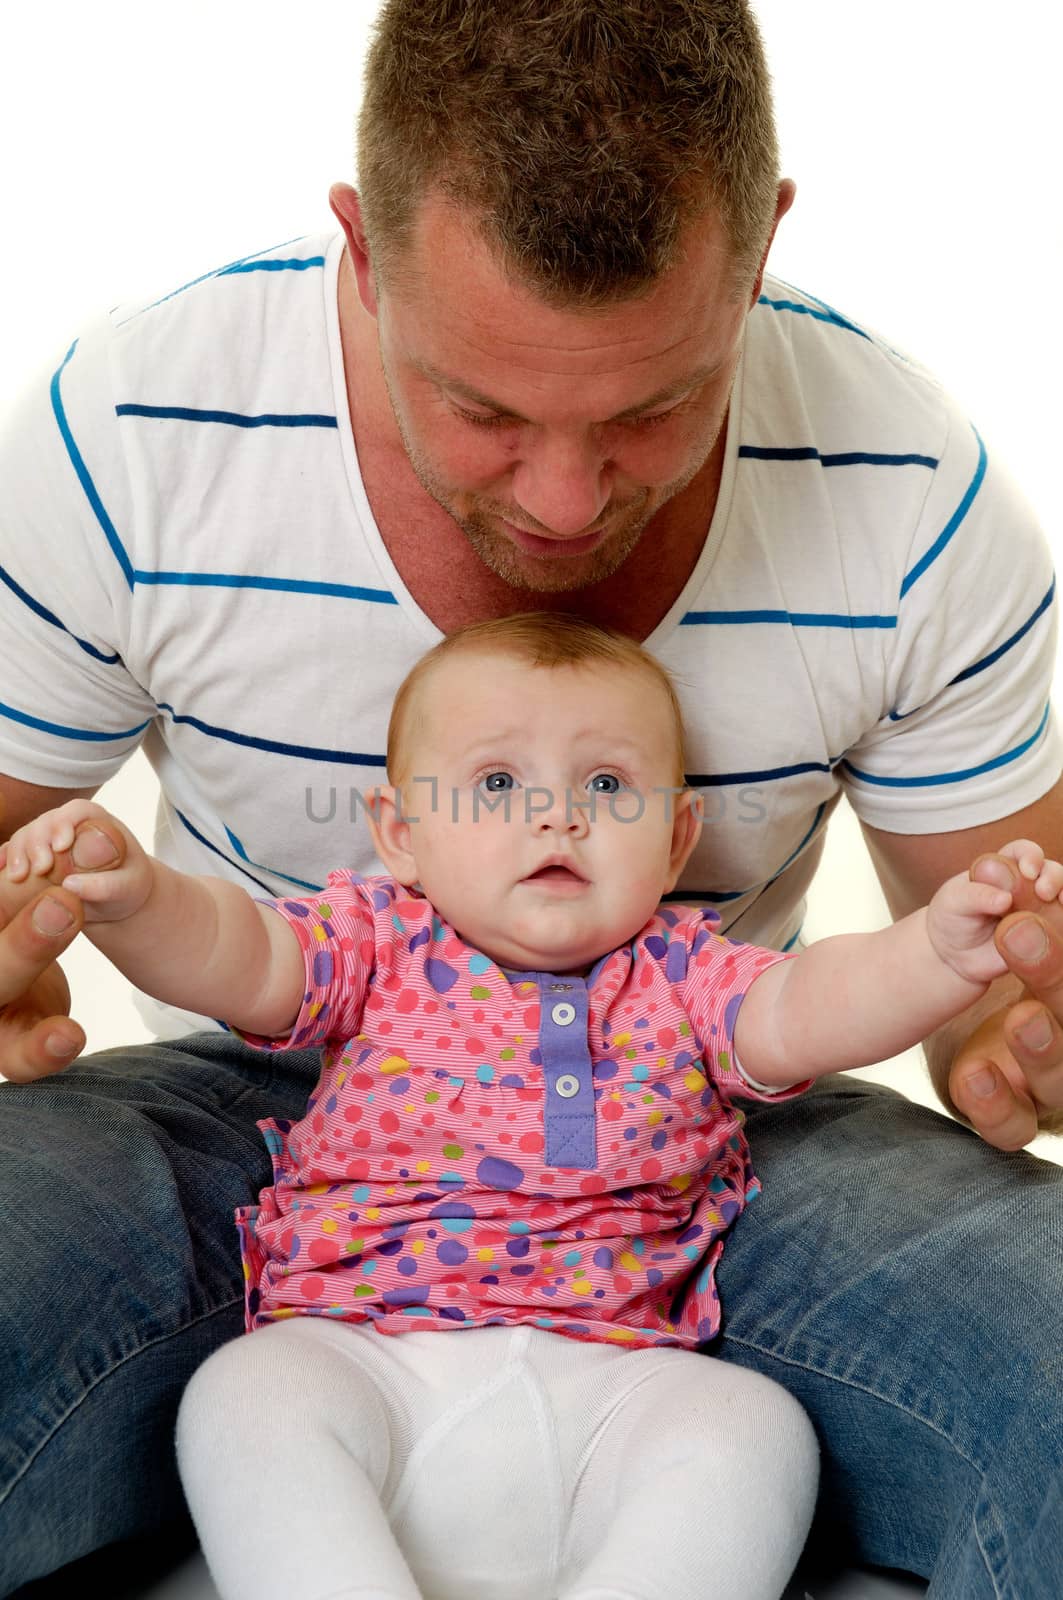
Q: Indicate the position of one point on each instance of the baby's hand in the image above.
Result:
(85, 849)
(962, 917)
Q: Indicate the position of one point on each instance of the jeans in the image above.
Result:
(902, 1279)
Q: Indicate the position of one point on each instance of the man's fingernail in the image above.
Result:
(51, 917)
(1037, 1033)
(60, 1048)
(982, 1083)
(93, 849)
(1027, 940)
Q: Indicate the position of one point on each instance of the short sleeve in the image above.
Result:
(719, 973)
(70, 710)
(336, 934)
(966, 735)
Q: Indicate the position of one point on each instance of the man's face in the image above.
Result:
(553, 436)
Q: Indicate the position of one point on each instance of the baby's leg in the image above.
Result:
(284, 1444)
(698, 1483)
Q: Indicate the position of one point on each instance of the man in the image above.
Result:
(541, 367)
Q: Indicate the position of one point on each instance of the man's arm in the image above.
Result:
(37, 1037)
(1000, 1065)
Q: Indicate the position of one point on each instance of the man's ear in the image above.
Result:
(686, 831)
(390, 829)
(787, 192)
(347, 209)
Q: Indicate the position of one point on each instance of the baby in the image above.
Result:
(524, 1132)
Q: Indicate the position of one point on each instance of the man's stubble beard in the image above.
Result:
(538, 574)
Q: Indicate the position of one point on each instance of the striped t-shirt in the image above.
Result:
(188, 560)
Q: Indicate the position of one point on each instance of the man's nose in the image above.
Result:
(563, 484)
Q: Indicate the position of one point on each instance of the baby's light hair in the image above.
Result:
(541, 639)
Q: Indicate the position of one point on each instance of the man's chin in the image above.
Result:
(545, 574)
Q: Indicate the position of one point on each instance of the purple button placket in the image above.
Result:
(566, 1060)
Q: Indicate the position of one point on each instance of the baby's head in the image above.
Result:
(536, 765)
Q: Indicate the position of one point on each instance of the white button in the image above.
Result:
(567, 1086)
(563, 1013)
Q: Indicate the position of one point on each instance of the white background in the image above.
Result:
(145, 144)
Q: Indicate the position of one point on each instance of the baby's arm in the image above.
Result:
(860, 998)
(199, 943)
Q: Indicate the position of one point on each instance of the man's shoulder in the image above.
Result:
(241, 309)
(233, 284)
(804, 352)
(244, 344)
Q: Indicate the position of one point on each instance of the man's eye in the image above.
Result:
(483, 419)
(605, 783)
(498, 782)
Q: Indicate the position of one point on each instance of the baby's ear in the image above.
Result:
(686, 831)
(390, 829)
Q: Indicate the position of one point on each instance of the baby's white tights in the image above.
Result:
(323, 1461)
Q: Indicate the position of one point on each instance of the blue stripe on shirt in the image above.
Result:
(716, 780)
(300, 883)
(205, 580)
(84, 476)
(722, 896)
(953, 777)
(847, 458)
(87, 735)
(215, 272)
(793, 619)
(50, 616)
(995, 655)
(953, 523)
(203, 840)
(274, 746)
(235, 419)
(238, 580)
(291, 264)
(810, 311)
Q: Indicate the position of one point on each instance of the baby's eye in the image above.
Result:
(498, 782)
(605, 783)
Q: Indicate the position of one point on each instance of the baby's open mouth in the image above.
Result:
(555, 874)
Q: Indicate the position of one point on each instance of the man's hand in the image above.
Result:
(37, 923)
(1007, 1078)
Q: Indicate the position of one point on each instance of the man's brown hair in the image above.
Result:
(582, 135)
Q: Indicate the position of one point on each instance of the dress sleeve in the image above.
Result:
(336, 933)
(71, 711)
(719, 972)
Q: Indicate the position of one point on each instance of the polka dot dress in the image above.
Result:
(487, 1146)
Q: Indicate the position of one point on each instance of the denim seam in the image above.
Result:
(149, 1345)
(887, 1400)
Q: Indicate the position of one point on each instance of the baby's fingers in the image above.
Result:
(43, 847)
(33, 849)
(982, 899)
(1049, 884)
(95, 888)
(16, 861)
(1027, 856)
